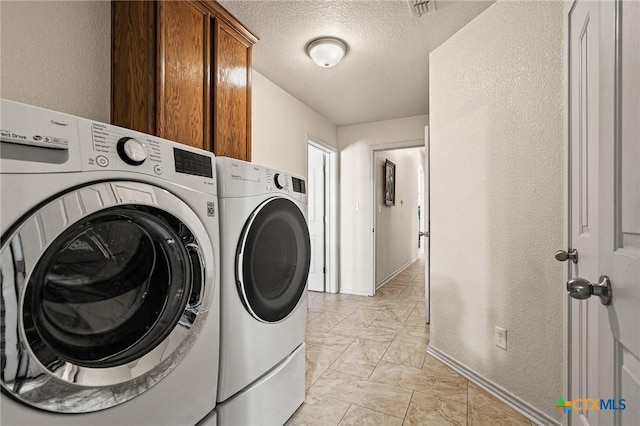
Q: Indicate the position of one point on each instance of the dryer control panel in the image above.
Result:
(277, 180)
(285, 182)
(241, 179)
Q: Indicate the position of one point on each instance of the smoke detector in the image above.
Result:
(421, 7)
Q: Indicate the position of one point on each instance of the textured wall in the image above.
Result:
(497, 197)
(57, 55)
(356, 164)
(397, 226)
(280, 125)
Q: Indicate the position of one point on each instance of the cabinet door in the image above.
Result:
(232, 120)
(133, 65)
(183, 80)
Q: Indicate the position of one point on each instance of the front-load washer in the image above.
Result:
(265, 258)
(109, 274)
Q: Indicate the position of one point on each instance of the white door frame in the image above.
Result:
(566, 360)
(331, 206)
(427, 224)
(372, 178)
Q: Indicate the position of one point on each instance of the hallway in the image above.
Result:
(367, 364)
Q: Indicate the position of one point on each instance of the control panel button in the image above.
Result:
(158, 169)
(131, 151)
(102, 161)
(276, 179)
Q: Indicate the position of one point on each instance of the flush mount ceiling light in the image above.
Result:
(326, 51)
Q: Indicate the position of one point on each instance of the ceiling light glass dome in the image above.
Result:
(326, 51)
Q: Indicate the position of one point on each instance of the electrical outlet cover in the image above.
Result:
(500, 337)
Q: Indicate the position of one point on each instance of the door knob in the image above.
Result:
(579, 288)
(563, 256)
(423, 234)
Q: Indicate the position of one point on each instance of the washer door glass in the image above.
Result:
(104, 291)
(110, 288)
(273, 260)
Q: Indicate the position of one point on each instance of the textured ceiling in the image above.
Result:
(385, 72)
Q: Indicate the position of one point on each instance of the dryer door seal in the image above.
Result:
(273, 259)
(103, 293)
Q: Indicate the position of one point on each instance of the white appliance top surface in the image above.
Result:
(238, 178)
(36, 140)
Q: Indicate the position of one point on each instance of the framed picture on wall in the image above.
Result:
(389, 183)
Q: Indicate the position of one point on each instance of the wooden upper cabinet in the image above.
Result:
(133, 65)
(232, 92)
(182, 70)
(183, 89)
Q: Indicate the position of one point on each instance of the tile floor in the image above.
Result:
(367, 364)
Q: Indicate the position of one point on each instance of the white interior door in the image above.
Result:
(316, 218)
(604, 217)
(584, 21)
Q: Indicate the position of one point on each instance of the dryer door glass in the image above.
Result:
(111, 287)
(273, 260)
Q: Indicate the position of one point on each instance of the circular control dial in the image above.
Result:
(278, 180)
(131, 151)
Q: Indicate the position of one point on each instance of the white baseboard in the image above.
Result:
(522, 407)
(356, 292)
(394, 273)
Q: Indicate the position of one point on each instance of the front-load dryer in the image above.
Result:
(265, 257)
(109, 274)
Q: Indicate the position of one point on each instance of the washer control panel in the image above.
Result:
(131, 151)
(115, 148)
(112, 145)
(37, 140)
